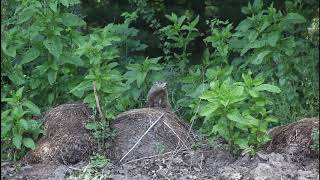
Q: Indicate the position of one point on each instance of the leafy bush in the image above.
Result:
(18, 130)
(92, 170)
(236, 112)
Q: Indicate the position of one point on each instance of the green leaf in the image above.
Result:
(54, 46)
(5, 128)
(12, 51)
(30, 55)
(260, 57)
(272, 119)
(253, 93)
(273, 38)
(235, 116)
(209, 109)
(242, 143)
(53, 6)
(17, 140)
(52, 76)
(257, 5)
(71, 20)
(17, 76)
(19, 92)
(91, 126)
(32, 107)
(244, 25)
(268, 87)
(294, 18)
(29, 143)
(25, 15)
(24, 124)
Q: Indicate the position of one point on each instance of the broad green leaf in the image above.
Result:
(273, 38)
(25, 15)
(257, 5)
(24, 124)
(263, 139)
(253, 93)
(272, 119)
(194, 22)
(50, 97)
(32, 107)
(294, 18)
(17, 140)
(79, 89)
(244, 25)
(268, 87)
(250, 120)
(52, 76)
(209, 109)
(235, 116)
(91, 126)
(68, 3)
(54, 46)
(71, 20)
(260, 57)
(5, 129)
(53, 6)
(242, 142)
(30, 55)
(29, 143)
(90, 99)
(12, 51)
(19, 92)
(17, 76)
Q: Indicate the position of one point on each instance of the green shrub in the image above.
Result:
(236, 112)
(19, 131)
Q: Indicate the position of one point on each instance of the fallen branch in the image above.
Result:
(149, 157)
(141, 137)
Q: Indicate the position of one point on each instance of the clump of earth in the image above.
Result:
(66, 146)
(204, 162)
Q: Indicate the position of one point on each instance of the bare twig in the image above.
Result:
(158, 155)
(142, 137)
(97, 100)
(176, 134)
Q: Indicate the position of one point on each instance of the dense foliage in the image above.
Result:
(229, 80)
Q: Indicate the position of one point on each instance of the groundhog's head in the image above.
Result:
(161, 84)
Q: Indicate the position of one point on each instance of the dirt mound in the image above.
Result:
(294, 139)
(48, 171)
(147, 132)
(214, 163)
(65, 139)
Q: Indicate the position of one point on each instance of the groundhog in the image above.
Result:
(158, 96)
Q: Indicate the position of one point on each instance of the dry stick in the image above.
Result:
(141, 137)
(149, 157)
(97, 100)
(176, 134)
(171, 159)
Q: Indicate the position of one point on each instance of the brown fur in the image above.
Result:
(158, 96)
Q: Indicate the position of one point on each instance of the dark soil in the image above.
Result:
(166, 133)
(175, 161)
(65, 140)
(203, 163)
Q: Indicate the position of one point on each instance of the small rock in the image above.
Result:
(177, 160)
(262, 156)
(307, 175)
(184, 171)
(236, 176)
(197, 169)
